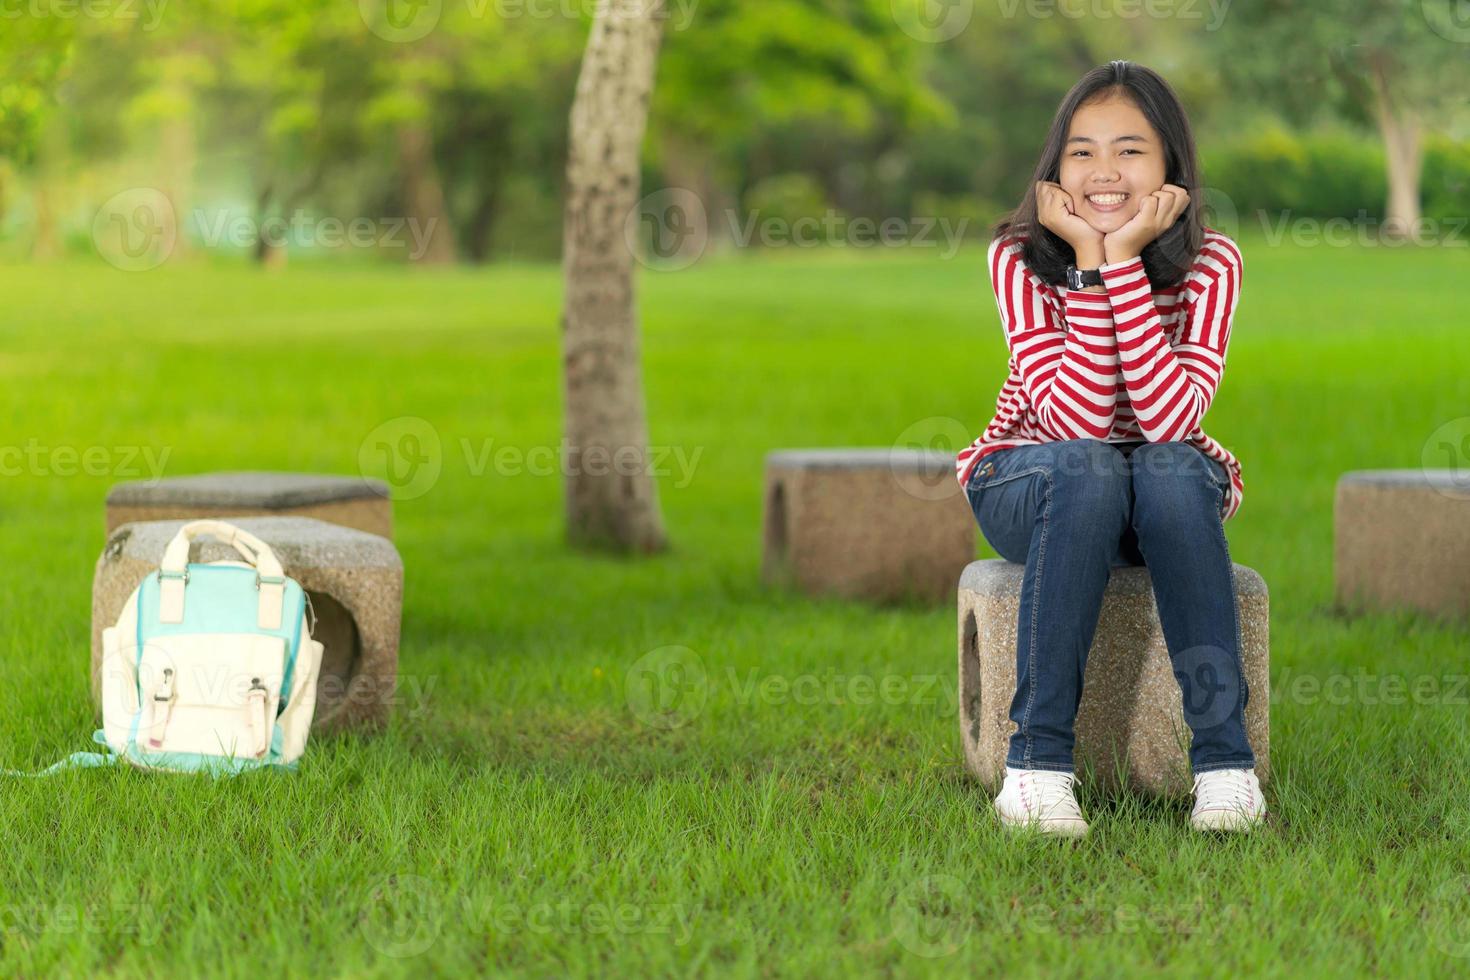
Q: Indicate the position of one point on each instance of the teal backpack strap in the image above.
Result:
(77, 760)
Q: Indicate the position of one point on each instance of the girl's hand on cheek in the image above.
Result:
(1156, 214)
(1057, 212)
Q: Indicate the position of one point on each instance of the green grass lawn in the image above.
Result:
(519, 817)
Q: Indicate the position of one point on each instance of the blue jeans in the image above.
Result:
(1073, 510)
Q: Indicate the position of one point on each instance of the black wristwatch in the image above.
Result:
(1077, 278)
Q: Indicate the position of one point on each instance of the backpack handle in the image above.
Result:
(173, 573)
(251, 548)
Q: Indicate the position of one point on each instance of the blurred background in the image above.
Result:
(434, 131)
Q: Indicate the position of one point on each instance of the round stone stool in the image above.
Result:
(1130, 725)
(1401, 540)
(876, 524)
(351, 501)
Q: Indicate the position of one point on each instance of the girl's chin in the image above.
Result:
(1113, 223)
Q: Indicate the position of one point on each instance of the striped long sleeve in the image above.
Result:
(1067, 359)
(1170, 387)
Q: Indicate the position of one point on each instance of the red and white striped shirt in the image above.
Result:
(1127, 365)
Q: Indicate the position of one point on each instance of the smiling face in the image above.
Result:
(1111, 150)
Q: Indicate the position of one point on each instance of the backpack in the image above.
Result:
(211, 666)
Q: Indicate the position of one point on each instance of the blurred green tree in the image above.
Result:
(1402, 66)
(34, 56)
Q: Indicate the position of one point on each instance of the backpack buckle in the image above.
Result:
(163, 574)
(268, 580)
(165, 691)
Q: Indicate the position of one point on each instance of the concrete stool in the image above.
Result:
(873, 524)
(351, 501)
(1402, 541)
(1130, 723)
(354, 581)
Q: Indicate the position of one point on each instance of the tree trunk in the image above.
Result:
(611, 498)
(180, 150)
(44, 245)
(268, 254)
(48, 163)
(424, 195)
(480, 230)
(1400, 129)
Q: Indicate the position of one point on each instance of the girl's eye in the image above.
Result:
(1127, 150)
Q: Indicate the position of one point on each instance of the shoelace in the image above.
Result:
(1049, 795)
(1225, 789)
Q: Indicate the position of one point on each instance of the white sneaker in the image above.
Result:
(1040, 799)
(1227, 799)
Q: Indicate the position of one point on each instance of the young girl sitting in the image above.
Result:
(1116, 303)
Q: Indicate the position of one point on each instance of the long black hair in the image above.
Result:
(1169, 257)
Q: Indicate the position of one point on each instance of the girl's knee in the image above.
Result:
(1089, 459)
(1170, 465)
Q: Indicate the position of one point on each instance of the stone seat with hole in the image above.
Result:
(876, 524)
(1401, 541)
